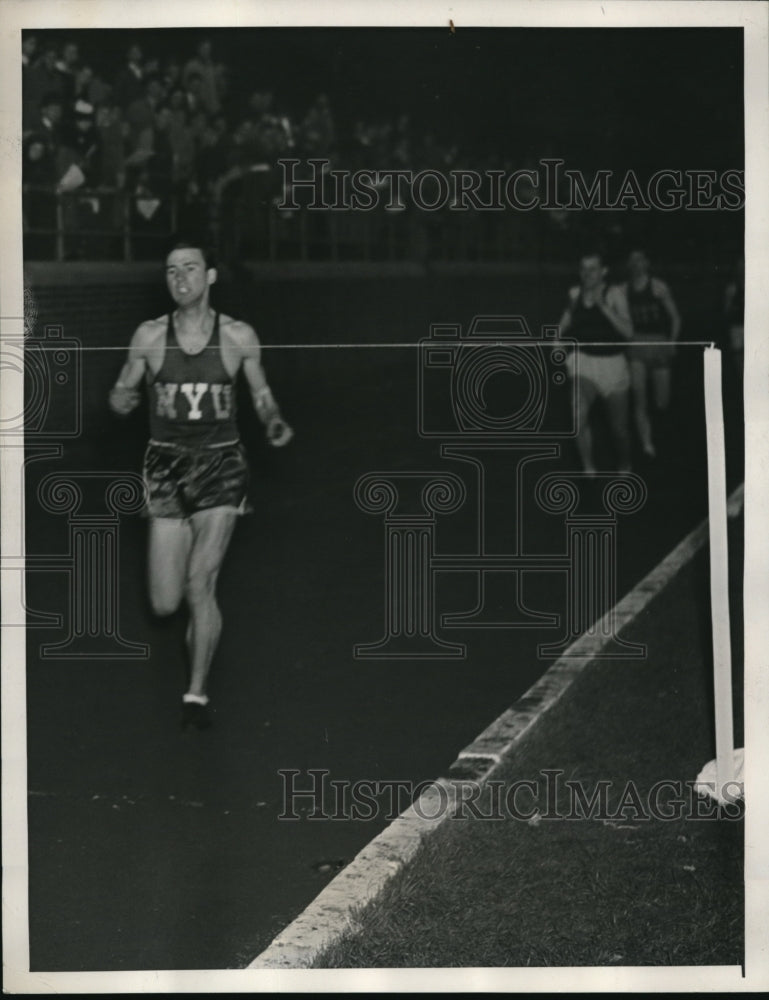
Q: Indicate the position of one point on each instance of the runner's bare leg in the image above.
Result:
(638, 377)
(170, 543)
(211, 531)
(661, 384)
(585, 399)
(618, 412)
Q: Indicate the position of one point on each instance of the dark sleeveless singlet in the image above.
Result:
(648, 314)
(588, 324)
(192, 397)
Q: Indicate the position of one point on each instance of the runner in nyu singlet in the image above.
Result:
(195, 469)
(192, 397)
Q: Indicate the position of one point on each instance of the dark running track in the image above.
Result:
(150, 849)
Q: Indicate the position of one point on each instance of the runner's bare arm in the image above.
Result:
(565, 321)
(124, 395)
(617, 312)
(278, 431)
(666, 298)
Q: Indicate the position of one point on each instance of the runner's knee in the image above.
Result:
(200, 586)
(164, 604)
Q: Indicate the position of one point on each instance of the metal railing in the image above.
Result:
(94, 224)
(112, 224)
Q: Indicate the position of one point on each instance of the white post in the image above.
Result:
(719, 570)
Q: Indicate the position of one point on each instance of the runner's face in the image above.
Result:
(591, 272)
(187, 277)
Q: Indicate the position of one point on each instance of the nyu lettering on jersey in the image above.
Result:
(192, 397)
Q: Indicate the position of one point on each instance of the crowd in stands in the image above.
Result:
(154, 129)
(184, 141)
(178, 128)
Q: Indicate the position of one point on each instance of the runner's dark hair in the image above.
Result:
(190, 243)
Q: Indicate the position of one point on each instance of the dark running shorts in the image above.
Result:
(182, 481)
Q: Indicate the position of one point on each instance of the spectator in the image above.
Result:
(242, 148)
(82, 157)
(109, 168)
(82, 86)
(194, 99)
(316, 134)
(75, 167)
(28, 50)
(198, 124)
(183, 146)
(91, 88)
(271, 139)
(40, 81)
(259, 104)
(371, 145)
(220, 126)
(84, 141)
(172, 77)
(222, 77)
(141, 112)
(48, 126)
(240, 153)
(177, 102)
(29, 107)
(139, 153)
(202, 66)
(129, 84)
(67, 68)
(113, 133)
(150, 213)
(161, 165)
(151, 68)
(39, 166)
(401, 151)
(211, 159)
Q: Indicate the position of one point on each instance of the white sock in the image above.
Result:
(196, 699)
